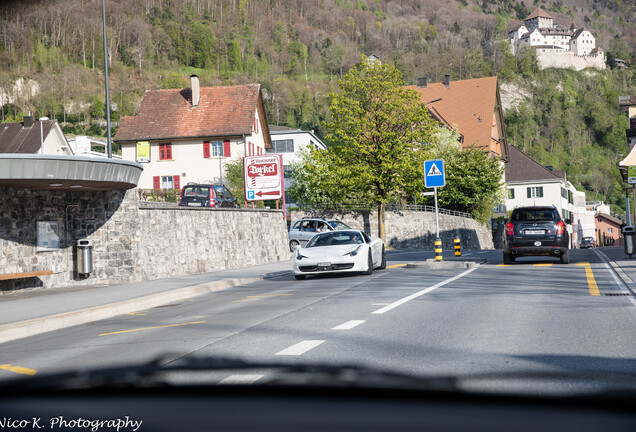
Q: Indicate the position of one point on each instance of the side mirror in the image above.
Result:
(568, 221)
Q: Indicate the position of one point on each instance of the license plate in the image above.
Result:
(194, 204)
(324, 264)
(535, 231)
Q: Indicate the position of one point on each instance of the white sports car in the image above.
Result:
(339, 251)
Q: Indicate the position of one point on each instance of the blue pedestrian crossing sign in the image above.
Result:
(434, 175)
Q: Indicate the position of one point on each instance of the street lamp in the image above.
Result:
(42, 134)
(110, 147)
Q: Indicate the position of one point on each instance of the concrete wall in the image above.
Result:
(414, 229)
(132, 240)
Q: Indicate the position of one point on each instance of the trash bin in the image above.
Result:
(84, 256)
(628, 239)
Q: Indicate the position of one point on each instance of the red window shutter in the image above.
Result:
(156, 182)
(176, 180)
(206, 149)
(227, 152)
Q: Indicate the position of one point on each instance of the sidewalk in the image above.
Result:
(31, 312)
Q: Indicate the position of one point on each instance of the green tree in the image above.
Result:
(379, 127)
(473, 178)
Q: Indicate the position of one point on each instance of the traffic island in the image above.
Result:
(447, 263)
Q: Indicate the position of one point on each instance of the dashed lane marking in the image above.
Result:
(151, 328)
(300, 348)
(349, 325)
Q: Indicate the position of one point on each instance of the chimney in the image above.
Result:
(422, 82)
(194, 86)
(28, 121)
(446, 80)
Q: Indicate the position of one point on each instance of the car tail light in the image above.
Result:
(212, 202)
(510, 228)
(560, 228)
(180, 197)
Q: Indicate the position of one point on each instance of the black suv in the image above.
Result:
(207, 195)
(536, 231)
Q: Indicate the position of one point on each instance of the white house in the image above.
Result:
(556, 46)
(188, 135)
(291, 143)
(43, 136)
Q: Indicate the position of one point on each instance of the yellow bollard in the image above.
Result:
(438, 249)
(458, 247)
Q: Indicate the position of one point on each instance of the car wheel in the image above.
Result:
(293, 245)
(370, 265)
(565, 258)
(508, 258)
(383, 263)
(300, 277)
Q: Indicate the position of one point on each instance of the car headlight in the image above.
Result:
(353, 252)
(299, 256)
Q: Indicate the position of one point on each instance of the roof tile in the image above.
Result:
(164, 114)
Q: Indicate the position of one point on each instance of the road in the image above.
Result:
(536, 315)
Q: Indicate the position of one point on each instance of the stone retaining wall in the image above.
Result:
(132, 241)
(414, 229)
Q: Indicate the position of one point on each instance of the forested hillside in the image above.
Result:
(297, 49)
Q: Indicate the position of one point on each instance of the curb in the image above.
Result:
(627, 281)
(22, 329)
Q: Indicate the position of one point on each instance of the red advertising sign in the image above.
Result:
(263, 177)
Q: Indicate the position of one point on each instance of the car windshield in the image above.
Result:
(336, 238)
(439, 189)
(535, 215)
(196, 192)
(338, 225)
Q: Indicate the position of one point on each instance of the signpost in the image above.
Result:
(435, 176)
(264, 178)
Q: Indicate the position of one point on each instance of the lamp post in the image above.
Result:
(110, 147)
(42, 134)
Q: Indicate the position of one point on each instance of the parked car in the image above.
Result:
(207, 195)
(587, 242)
(304, 229)
(339, 251)
(536, 231)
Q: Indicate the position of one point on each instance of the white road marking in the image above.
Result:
(620, 283)
(300, 348)
(424, 291)
(241, 379)
(379, 304)
(348, 325)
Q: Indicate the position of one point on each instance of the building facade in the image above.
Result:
(555, 46)
(188, 135)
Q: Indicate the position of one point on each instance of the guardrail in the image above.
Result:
(389, 207)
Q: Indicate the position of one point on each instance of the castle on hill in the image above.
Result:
(557, 47)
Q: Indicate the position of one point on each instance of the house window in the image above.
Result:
(610, 230)
(216, 148)
(165, 151)
(282, 146)
(166, 182)
(511, 193)
(535, 192)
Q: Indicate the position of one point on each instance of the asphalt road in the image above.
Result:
(534, 316)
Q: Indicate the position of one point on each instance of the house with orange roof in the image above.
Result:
(188, 135)
(473, 107)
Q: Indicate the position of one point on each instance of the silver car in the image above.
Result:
(304, 229)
